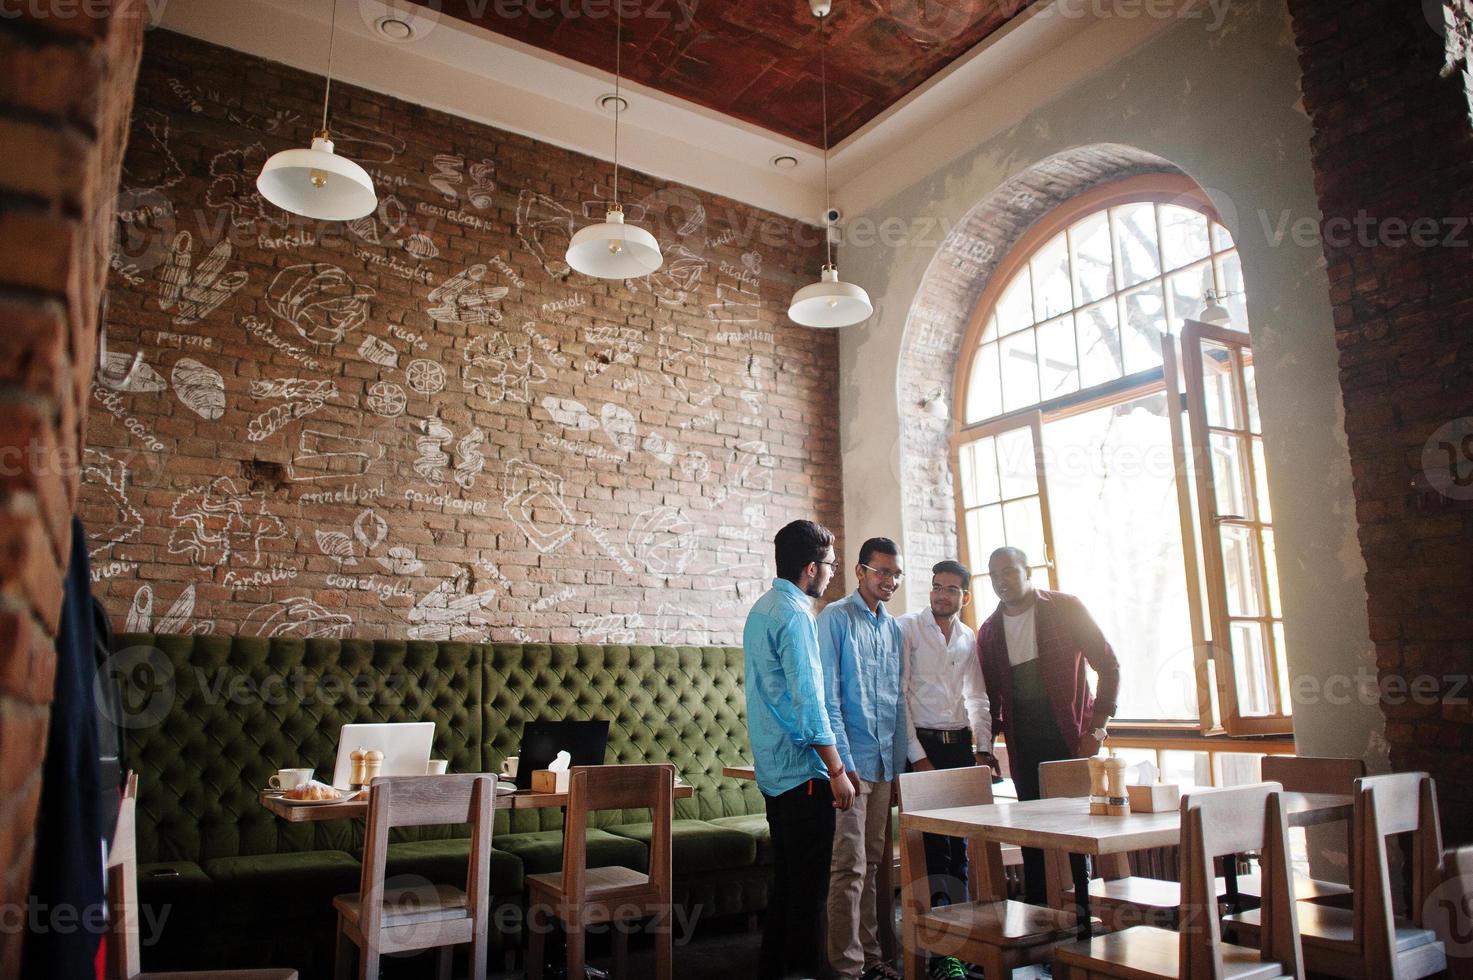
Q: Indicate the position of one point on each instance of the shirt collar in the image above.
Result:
(879, 616)
(783, 585)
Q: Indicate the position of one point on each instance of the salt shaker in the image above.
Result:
(1097, 804)
(373, 760)
(355, 777)
(1118, 805)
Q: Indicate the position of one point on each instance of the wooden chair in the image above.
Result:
(1215, 823)
(1451, 911)
(990, 931)
(1310, 774)
(1368, 940)
(379, 921)
(122, 959)
(580, 896)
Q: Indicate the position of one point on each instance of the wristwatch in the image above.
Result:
(1099, 734)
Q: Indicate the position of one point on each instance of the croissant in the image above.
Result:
(313, 791)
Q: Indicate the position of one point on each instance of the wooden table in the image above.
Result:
(357, 809)
(1065, 824)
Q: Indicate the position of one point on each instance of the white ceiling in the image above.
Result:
(483, 76)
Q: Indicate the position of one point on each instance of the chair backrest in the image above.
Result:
(1387, 806)
(593, 788)
(1218, 823)
(1449, 912)
(424, 801)
(1313, 774)
(122, 889)
(1070, 778)
(943, 788)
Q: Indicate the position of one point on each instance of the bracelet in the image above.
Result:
(836, 775)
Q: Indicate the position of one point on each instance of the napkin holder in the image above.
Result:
(1154, 797)
(549, 781)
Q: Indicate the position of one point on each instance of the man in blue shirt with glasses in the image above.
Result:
(861, 647)
(798, 768)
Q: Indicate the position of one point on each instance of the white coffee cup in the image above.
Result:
(509, 767)
(437, 767)
(290, 778)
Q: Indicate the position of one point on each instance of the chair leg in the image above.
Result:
(577, 949)
(665, 950)
(443, 956)
(343, 956)
(621, 950)
(368, 962)
(536, 941)
(478, 957)
(993, 965)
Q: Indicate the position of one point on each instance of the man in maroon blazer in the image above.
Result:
(1034, 649)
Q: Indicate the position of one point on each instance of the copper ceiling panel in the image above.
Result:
(756, 60)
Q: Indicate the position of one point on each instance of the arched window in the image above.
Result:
(1135, 485)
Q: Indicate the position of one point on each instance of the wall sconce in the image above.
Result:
(935, 405)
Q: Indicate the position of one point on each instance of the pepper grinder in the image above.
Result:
(373, 760)
(1097, 803)
(355, 777)
(1118, 804)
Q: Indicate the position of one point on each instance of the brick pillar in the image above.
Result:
(1393, 160)
(67, 73)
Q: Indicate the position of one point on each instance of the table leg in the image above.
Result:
(1079, 871)
(1230, 880)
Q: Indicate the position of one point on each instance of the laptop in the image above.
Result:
(585, 741)
(405, 745)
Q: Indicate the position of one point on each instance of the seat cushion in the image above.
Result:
(1146, 951)
(300, 883)
(697, 845)
(754, 825)
(541, 851)
(443, 862)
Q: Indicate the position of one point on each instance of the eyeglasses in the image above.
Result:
(951, 590)
(833, 565)
(885, 574)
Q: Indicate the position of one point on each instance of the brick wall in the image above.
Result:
(66, 86)
(421, 423)
(1391, 152)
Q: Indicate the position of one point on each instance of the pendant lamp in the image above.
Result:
(830, 302)
(317, 183)
(612, 249)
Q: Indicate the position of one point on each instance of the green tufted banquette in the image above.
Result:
(210, 718)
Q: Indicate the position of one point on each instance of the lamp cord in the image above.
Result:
(331, 36)
(823, 62)
(618, 103)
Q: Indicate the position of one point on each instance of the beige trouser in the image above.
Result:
(859, 840)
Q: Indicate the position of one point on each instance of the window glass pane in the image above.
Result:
(1228, 473)
(1186, 292)
(1263, 512)
(1239, 570)
(1218, 391)
(1052, 292)
(1186, 769)
(1135, 243)
(985, 532)
(986, 473)
(1019, 371)
(1271, 563)
(1057, 360)
(1099, 343)
(1281, 664)
(1015, 308)
(984, 387)
(1250, 384)
(1222, 239)
(1251, 667)
(1094, 265)
(1017, 463)
(1143, 321)
(1230, 288)
(1183, 236)
(1023, 522)
(966, 469)
(989, 332)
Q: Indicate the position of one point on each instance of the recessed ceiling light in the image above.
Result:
(395, 28)
(784, 161)
(613, 103)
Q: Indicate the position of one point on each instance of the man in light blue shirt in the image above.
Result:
(798, 768)
(861, 647)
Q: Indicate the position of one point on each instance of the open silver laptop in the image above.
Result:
(405, 745)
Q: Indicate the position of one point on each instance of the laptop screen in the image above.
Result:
(585, 741)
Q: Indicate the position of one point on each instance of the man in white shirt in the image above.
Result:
(946, 702)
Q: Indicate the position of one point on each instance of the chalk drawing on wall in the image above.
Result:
(679, 626)
(616, 628)
(327, 456)
(179, 618)
(299, 397)
(545, 227)
(608, 345)
(387, 399)
(660, 447)
(150, 164)
(191, 294)
(321, 301)
(110, 475)
(469, 460)
(451, 172)
(200, 387)
(679, 278)
(497, 368)
(142, 379)
(299, 616)
(432, 459)
(365, 229)
(619, 426)
(738, 291)
(400, 561)
(695, 466)
(684, 358)
(335, 545)
(379, 352)
(570, 414)
(421, 246)
(233, 187)
(465, 298)
(663, 539)
(751, 471)
(393, 213)
(356, 139)
(425, 376)
(532, 493)
(451, 612)
(369, 531)
(222, 522)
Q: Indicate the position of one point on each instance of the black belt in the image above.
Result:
(946, 736)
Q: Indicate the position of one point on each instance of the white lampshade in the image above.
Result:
(613, 250)
(317, 183)
(829, 302)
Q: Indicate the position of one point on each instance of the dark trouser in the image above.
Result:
(802, 825)
(1037, 739)
(946, 857)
